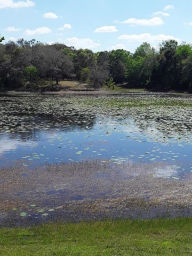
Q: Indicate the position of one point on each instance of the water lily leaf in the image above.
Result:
(23, 214)
(51, 210)
(45, 214)
(41, 210)
(79, 152)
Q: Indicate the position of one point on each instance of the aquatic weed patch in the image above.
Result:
(53, 129)
(26, 113)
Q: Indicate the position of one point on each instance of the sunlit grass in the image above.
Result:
(124, 90)
(108, 238)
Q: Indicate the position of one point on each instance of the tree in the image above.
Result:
(98, 76)
(52, 63)
(144, 50)
(83, 59)
(85, 75)
(134, 72)
(1, 39)
(118, 60)
(170, 68)
(187, 74)
(144, 57)
(31, 73)
(164, 74)
(183, 51)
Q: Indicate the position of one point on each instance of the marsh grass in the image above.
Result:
(107, 238)
(140, 101)
(124, 90)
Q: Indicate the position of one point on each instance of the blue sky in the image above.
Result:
(97, 24)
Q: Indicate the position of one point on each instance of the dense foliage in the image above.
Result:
(28, 63)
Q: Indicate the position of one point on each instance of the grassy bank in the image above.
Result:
(118, 238)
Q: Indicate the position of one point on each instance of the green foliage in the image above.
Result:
(1, 39)
(144, 50)
(163, 70)
(85, 74)
(110, 84)
(118, 60)
(31, 73)
(82, 59)
(183, 51)
(164, 74)
(187, 73)
(134, 72)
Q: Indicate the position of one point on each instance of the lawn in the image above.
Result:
(106, 238)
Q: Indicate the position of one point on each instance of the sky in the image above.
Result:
(97, 24)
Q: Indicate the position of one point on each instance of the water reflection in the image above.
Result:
(8, 145)
(42, 130)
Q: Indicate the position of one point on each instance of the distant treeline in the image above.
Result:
(28, 63)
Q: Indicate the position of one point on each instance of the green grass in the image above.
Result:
(107, 238)
(124, 90)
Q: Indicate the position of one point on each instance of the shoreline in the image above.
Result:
(90, 191)
(96, 93)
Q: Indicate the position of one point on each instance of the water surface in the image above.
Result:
(40, 130)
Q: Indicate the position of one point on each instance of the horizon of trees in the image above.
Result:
(29, 63)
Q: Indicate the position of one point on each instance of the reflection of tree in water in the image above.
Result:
(26, 118)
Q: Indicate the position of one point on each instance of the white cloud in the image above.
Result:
(50, 15)
(12, 29)
(106, 29)
(160, 13)
(188, 23)
(38, 31)
(18, 4)
(118, 46)
(156, 21)
(8, 145)
(147, 37)
(66, 26)
(12, 39)
(84, 43)
(169, 7)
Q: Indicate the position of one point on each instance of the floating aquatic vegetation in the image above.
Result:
(143, 130)
(23, 214)
(45, 214)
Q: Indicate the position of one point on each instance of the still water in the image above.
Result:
(45, 130)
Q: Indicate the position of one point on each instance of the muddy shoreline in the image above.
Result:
(90, 191)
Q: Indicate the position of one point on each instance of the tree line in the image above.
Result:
(29, 63)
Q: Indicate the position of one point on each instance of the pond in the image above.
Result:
(94, 157)
(139, 129)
